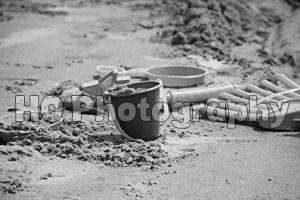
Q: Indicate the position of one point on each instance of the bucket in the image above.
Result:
(134, 119)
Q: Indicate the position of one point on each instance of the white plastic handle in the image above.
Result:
(104, 69)
(137, 72)
(114, 118)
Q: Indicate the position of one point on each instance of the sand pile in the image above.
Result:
(84, 141)
(9, 8)
(123, 90)
(214, 27)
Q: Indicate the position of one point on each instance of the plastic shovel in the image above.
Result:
(171, 75)
(88, 90)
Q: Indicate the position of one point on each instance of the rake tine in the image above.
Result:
(244, 94)
(286, 81)
(210, 110)
(221, 114)
(235, 99)
(215, 100)
(268, 99)
(253, 88)
(222, 104)
(224, 95)
(231, 106)
(275, 88)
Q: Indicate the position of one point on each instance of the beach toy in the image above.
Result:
(171, 75)
(145, 125)
(98, 87)
(270, 101)
(91, 89)
(196, 95)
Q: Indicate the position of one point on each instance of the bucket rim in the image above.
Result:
(159, 84)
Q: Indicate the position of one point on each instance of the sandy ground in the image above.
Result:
(216, 163)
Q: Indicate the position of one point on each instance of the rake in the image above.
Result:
(272, 106)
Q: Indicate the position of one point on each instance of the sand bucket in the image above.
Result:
(137, 115)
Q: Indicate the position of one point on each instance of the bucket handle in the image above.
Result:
(163, 100)
(114, 118)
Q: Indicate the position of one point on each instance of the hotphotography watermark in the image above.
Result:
(146, 111)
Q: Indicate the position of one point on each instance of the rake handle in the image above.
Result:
(199, 94)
